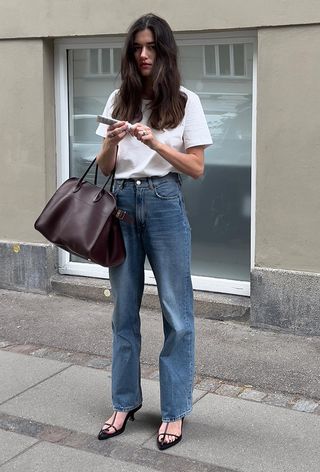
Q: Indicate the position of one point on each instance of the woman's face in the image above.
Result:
(144, 51)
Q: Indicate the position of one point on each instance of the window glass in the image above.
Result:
(218, 204)
(116, 59)
(94, 61)
(210, 60)
(105, 61)
(87, 98)
(224, 59)
(239, 60)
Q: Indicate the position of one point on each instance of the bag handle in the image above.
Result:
(120, 214)
(111, 176)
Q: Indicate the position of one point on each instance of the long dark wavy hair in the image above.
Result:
(168, 102)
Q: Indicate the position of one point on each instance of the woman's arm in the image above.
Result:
(190, 163)
(106, 159)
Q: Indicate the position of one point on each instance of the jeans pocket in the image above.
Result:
(167, 190)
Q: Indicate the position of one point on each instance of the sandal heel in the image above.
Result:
(133, 412)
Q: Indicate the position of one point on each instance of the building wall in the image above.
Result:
(287, 257)
(285, 282)
(95, 17)
(27, 135)
(288, 149)
(27, 177)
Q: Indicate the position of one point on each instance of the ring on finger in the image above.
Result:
(111, 135)
(144, 133)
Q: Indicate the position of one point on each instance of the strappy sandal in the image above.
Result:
(104, 434)
(165, 445)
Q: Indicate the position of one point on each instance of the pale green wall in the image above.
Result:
(27, 149)
(21, 18)
(288, 149)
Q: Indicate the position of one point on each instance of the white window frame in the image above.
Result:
(66, 266)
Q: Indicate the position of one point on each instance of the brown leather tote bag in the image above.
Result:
(83, 219)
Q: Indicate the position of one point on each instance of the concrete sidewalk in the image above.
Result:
(51, 412)
(256, 398)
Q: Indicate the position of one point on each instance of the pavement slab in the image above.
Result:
(79, 399)
(22, 372)
(250, 437)
(117, 448)
(12, 444)
(44, 457)
(223, 434)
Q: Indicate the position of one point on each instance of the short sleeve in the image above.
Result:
(107, 112)
(196, 131)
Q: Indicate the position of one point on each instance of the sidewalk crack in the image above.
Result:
(19, 453)
(35, 385)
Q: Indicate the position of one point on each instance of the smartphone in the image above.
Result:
(109, 121)
(106, 121)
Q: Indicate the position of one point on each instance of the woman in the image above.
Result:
(168, 138)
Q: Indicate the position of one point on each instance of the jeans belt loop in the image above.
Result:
(120, 182)
(150, 183)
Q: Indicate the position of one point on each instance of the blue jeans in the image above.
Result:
(162, 233)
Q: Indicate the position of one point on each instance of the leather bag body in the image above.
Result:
(82, 219)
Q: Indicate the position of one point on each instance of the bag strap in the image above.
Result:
(111, 176)
(117, 212)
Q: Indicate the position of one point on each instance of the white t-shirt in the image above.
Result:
(137, 160)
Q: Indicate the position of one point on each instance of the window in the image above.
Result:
(220, 69)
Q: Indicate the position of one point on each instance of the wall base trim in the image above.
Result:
(285, 300)
(27, 267)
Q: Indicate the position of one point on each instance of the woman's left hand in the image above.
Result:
(144, 134)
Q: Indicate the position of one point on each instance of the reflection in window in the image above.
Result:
(221, 240)
(104, 61)
(238, 59)
(220, 72)
(94, 61)
(210, 60)
(225, 60)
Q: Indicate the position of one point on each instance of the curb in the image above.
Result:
(215, 306)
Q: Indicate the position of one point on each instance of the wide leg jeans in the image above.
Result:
(162, 233)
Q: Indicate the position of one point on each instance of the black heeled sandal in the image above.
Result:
(103, 434)
(165, 445)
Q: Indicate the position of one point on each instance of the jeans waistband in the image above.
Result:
(149, 181)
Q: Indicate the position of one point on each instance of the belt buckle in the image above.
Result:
(120, 214)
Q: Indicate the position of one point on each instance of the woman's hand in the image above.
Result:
(116, 133)
(144, 134)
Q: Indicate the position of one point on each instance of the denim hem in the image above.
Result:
(175, 418)
(127, 408)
